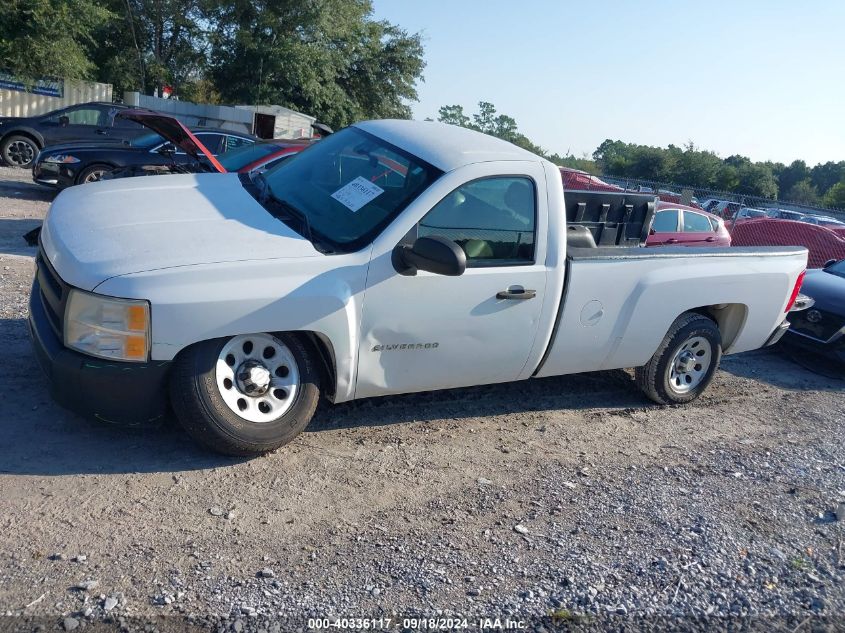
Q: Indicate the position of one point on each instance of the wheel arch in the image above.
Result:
(323, 348)
(28, 132)
(729, 317)
(104, 163)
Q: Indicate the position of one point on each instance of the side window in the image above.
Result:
(85, 116)
(492, 219)
(696, 223)
(665, 221)
(116, 121)
(234, 142)
(212, 142)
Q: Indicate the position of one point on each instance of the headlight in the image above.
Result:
(106, 327)
(61, 158)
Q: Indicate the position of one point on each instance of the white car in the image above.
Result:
(390, 257)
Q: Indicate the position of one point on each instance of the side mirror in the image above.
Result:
(651, 231)
(64, 120)
(434, 254)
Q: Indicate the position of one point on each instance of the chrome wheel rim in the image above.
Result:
(257, 377)
(20, 153)
(690, 364)
(94, 176)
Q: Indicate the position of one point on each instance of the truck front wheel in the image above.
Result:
(685, 363)
(245, 395)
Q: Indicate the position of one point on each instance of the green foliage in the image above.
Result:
(324, 57)
(49, 38)
(835, 196)
(486, 120)
(803, 192)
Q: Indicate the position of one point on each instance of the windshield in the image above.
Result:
(149, 139)
(349, 186)
(240, 157)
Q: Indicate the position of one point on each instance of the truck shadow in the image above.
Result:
(787, 367)
(39, 438)
(579, 391)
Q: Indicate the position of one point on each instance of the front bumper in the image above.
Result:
(132, 394)
(53, 174)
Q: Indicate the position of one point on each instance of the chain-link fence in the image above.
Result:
(750, 220)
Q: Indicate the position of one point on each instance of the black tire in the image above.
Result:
(654, 378)
(19, 151)
(91, 170)
(203, 413)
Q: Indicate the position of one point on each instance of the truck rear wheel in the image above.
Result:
(685, 363)
(247, 394)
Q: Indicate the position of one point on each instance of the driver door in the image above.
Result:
(428, 331)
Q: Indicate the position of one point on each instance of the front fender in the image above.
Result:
(190, 304)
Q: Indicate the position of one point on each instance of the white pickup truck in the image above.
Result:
(390, 257)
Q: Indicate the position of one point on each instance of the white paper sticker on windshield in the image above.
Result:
(357, 193)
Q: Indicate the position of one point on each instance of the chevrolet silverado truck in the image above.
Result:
(390, 257)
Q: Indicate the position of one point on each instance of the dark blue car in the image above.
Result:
(822, 326)
(22, 137)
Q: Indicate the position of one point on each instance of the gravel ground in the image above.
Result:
(564, 502)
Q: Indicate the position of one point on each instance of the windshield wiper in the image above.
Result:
(293, 212)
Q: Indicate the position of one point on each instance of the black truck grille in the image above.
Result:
(53, 292)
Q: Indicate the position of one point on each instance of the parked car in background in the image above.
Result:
(709, 203)
(65, 165)
(679, 225)
(262, 155)
(725, 209)
(822, 326)
(748, 213)
(578, 180)
(823, 243)
(786, 214)
(22, 137)
(821, 220)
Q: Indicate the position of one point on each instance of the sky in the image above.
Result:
(760, 78)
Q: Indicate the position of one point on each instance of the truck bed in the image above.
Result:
(620, 301)
(612, 219)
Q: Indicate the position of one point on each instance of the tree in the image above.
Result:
(324, 57)
(487, 121)
(835, 196)
(152, 43)
(802, 192)
(49, 38)
(827, 175)
(792, 175)
(453, 115)
(756, 179)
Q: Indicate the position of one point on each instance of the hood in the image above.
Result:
(172, 130)
(117, 227)
(827, 289)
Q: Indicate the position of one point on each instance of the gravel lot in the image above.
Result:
(559, 502)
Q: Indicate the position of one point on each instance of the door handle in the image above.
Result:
(516, 293)
(101, 131)
(710, 239)
(672, 241)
